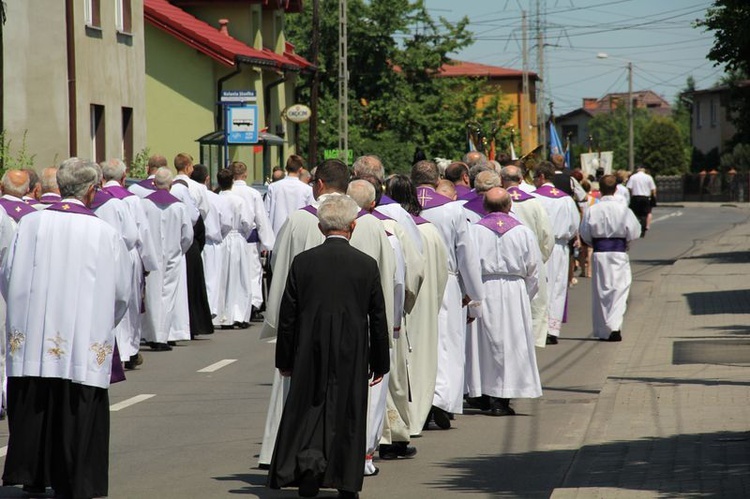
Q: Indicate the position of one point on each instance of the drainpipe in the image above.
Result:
(71, 59)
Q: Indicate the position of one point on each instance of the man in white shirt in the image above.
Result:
(642, 197)
(288, 194)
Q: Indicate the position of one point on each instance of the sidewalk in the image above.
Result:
(673, 417)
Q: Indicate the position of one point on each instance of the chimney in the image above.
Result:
(223, 26)
(589, 103)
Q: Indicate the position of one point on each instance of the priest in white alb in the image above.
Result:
(67, 285)
(287, 195)
(608, 227)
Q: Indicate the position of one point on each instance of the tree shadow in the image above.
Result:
(253, 484)
(653, 263)
(736, 301)
(724, 257)
(693, 465)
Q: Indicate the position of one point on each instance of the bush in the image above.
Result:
(661, 148)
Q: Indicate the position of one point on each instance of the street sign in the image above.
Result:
(335, 154)
(297, 113)
(238, 96)
(242, 124)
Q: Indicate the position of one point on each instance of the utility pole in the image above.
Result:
(312, 158)
(343, 86)
(540, 104)
(631, 152)
(525, 101)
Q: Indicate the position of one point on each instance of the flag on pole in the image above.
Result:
(555, 145)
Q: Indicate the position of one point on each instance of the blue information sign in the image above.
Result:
(242, 124)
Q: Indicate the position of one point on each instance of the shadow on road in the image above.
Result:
(705, 465)
(724, 257)
(253, 484)
(736, 301)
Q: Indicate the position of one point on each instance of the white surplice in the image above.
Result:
(300, 233)
(405, 220)
(166, 317)
(506, 336)
(609, 219)
(564, 220)
(450, 220)
(235, 281)
(266, 240)
(284, 197)
(534, 216)
(218, 224)
(67, 285)
(422, 326)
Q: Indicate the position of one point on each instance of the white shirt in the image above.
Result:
(284, 197)
(641, 184)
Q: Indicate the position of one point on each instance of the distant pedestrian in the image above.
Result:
(643, 197)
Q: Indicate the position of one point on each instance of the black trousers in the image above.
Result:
(59, 436)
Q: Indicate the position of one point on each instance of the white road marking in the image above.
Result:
(216, 366)
(272, 341)
(664, 217)
(131, 401)
(3, 451)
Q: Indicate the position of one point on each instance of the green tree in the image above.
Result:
(682, 111)
(728, 20)
(396, 102)
(738, 158)
(661, 147)
(610, 133)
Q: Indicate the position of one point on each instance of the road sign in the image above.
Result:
(242, 124)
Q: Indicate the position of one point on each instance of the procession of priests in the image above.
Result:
(443, 285)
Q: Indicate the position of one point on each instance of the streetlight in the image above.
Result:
(631, 154)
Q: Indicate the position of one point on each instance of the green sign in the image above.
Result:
(334, 154)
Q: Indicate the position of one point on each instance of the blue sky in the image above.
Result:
(655, 35)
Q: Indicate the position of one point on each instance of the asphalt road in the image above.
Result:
(188, 423)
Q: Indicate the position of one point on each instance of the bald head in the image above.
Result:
(471, 158)
(511, 175)
(447, 189)
(15, 183)
(496, 200)
(49, 180)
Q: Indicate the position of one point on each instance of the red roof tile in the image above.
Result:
(208, 40)
(472, 69)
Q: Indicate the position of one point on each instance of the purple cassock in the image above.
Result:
(499, 223)
(550, 191)
(16, 209)
(517, 195)
(429, 198)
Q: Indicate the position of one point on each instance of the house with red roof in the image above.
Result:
(508, 83)
(195, 51)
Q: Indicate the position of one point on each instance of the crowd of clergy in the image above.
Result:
(474, 257)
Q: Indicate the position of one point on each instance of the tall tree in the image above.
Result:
(610, 133)
(661, 147)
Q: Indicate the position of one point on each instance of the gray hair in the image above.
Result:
(49, 180)
(369, 165)
(13, 189)
(337, 213)
(163, 178)
(511, 174)
(75, 176)
(481, 165)
(486, 180)
(362, 192)
(113, 169)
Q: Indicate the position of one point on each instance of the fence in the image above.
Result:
(703, 187)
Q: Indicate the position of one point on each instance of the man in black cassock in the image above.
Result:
(332, 337)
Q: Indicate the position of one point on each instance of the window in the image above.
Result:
(713, 112)
(98, 148)
(93, 12)
(124, 16)
(127, 135)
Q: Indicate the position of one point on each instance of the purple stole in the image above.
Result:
(118, 191)
(30, 201)
(50, 198)
(118, 373)
(384, 200)
(419, 220)
(550, 191)
(100, 198)
(477, 206)
(311, 209)
(462, 190)
(499, 223)
(380, 216)
(148, 184)
(162, 198)
(428, 198)
(467, 195)
(16, 209)
(517, 195)
(67, 207)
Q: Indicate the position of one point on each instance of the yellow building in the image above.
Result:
(508, 83)
(196, 51)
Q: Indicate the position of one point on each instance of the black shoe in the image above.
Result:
(501, 407)
(482, 403)
(172, 343)
(134, 361)
(441, 418)
(160, 347)
(243, 325)
(345, 494)
(396, 450)
(256, 316)
(551, 340)
(308, 485)
(615, 336)
(426, 425)
(34, 489)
